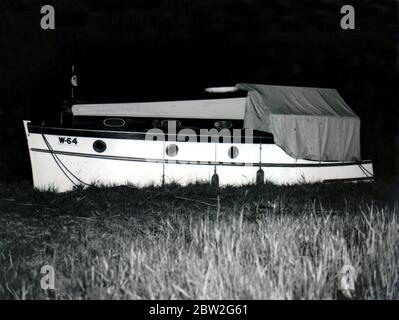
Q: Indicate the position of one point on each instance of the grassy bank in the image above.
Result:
(192, 242)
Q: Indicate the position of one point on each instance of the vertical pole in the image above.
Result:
(163, 163)
(260, 175)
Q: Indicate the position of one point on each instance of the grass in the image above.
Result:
(252, 242)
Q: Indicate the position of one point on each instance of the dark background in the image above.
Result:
(130, 50)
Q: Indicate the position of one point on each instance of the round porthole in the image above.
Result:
(233, 152)
(99, 146)
(172, 150)
(223, 124)
(114, 122)
(170, 123)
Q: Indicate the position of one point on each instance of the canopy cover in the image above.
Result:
(307, 123)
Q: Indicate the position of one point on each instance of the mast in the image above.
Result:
(74, 84)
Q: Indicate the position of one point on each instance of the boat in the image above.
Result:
(238, 135)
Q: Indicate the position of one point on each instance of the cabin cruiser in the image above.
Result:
(234, 135)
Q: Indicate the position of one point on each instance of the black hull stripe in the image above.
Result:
(87, 133)
(121, 134)
(237, 164)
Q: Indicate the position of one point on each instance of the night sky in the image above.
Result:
(134, 50)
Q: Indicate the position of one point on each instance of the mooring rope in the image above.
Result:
(60, 164)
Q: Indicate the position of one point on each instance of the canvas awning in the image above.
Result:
(307, 123)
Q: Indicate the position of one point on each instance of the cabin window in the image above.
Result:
(233, 152)
(99, 146)
(172, 150)
(114, 122)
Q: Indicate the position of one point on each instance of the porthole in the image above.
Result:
(223, 124)
(170, 123)
(114, 122)
(99, 146)
(233, 152)
(172, 150)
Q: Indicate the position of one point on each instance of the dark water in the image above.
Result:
(132, 50)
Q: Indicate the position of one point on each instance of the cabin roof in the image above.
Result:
(308, 123)
(227, 108)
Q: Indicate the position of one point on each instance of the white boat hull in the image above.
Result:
(60, 166)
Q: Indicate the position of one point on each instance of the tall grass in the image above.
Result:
(251, 242)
